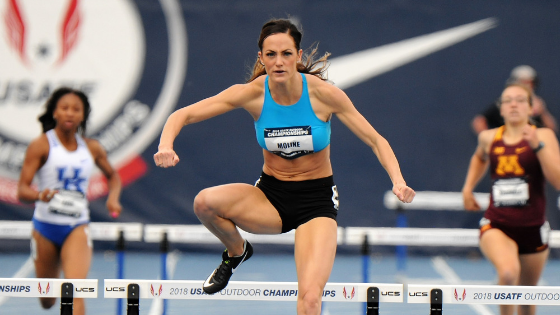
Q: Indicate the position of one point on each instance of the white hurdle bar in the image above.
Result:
(66, 289)
(486, 294)
(437, 295)
(437, 200)
(47, 287)
(434, 200)
(423, 237)
(199, 234)
(134, 290)
(99, 231)
(249, 290)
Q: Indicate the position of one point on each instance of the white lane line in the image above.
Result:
(441, 267)
(171, 262)
(24, 271)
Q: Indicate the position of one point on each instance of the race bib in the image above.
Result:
(289, 143)
(68, 202)
(510, 192)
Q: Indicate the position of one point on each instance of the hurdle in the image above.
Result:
(134, 290)
(437, 295)
(99, 231)
(66, 289)
(434, 200)
(199, 234)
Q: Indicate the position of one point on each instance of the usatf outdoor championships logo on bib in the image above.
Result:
(131, 71)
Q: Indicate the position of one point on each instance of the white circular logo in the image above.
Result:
(102, 47)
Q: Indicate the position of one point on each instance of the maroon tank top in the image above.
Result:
(517, 197)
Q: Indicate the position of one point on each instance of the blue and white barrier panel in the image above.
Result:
(249, 290)
(44, 287)
(487, 294)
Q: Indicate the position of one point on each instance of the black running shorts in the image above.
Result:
(300, 201)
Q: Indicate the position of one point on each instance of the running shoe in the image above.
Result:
(220, 277)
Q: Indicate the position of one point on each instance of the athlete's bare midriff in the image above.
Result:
(311, 166)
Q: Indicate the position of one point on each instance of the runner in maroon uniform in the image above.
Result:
(514, 231)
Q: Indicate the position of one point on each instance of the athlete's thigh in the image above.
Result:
(245, 205)
(499, 248)
(532, 266)
(46, 256)
(76, 253)
(315, 250)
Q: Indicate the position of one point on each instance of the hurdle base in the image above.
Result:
(67, 299)
(436, 302)
(133, 300)
(372, 301)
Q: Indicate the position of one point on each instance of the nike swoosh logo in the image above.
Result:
(349, 70)
(520, 150)
(242, 260)
(207, 282)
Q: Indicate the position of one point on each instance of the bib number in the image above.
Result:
(68, 202)
(510, 192)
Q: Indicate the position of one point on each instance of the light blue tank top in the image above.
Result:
(291, 131)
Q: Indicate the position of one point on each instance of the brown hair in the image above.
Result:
(308, 65)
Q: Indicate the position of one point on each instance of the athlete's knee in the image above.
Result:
(47, 303)
(509, 275)
(203, 203)
(309, 302)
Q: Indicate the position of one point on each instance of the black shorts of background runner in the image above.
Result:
(297, 202)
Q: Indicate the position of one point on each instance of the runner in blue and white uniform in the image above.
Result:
(62, 160)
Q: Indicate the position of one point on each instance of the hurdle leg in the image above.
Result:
(133, 301)
(164, 249)
(67, 299)
(436, 302)
(401, 250)
(372, 301)
(365, 265)
(120, 265)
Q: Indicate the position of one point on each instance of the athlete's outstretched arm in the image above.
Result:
(113, 179)
(229, 99)
(35, 157)
(477, 168)
(549, 155)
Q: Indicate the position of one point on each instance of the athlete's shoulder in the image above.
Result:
(486, 137)
(39, 147)
(95, 147)
(545, 131)
(317, 83)
(324, 90)
(41, 141)
(246, 91)
(247, 95)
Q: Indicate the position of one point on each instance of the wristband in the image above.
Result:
(539, 147)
